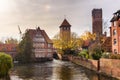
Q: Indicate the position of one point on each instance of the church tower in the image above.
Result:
(97, 22)
(65, 31)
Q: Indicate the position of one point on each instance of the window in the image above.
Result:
(42, 39)
(38, 35)
(49, 45)
(114, 32)
(115, 24)
(64, 28)
(68, 28)
(115, 51)
(115, 41)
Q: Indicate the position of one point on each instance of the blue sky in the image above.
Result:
(49, 14)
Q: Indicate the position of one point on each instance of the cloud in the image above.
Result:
(29, 13)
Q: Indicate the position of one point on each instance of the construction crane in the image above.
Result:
(20, 32)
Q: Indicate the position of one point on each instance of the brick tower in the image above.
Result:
(97, 22)
(65, 30)
(115, 32)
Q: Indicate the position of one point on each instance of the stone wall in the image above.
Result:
(88, 63)
(110, 67)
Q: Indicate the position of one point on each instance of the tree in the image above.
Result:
(5, 64)
(70, 46)
(97, 53)
(11, 41)
(88, 36)
(25, 49)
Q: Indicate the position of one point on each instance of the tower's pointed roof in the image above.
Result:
(65, 23)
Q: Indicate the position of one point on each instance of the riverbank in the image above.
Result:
(107, 67)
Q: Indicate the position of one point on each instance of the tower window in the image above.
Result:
(114, 32)
(68, 28)
(115, 41)
(64, 28)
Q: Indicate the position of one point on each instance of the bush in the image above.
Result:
(5, 64)
(97, 53)
(84, 54)
(114, 56)
(69, 51)
(106, 55)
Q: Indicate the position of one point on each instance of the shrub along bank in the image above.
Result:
(5, 64)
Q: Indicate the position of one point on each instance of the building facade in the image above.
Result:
(65, 31)
(115, 32)
(97, 22)
(42, 44)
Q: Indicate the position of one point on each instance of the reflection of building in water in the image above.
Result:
(43, 46)
(43, 71)
(40, 71)
(61, 71)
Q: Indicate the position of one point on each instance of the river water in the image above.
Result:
(54, 70)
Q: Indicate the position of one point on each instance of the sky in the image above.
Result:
(49, 14)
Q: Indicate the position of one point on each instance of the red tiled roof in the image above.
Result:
(8, 47)
(65, 23)
(33, 32)
(46, 37)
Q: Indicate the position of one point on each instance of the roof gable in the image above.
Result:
(65, 23)
(33, 32)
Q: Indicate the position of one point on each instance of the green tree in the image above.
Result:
(5, 64)
(25, 49)
(97, 53)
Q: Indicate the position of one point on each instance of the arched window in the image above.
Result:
(115, 51)
(114, 32)
(115, 41)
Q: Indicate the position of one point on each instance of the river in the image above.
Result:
(54, 70)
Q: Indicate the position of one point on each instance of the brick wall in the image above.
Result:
(110, 67)
(88, 63)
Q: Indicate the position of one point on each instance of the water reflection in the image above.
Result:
(56, 70)
(32, 71)
(5, 78)
(61, 71)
